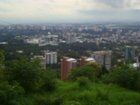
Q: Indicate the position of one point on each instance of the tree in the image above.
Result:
(48, 80)
(91, 71)
(104, 70)
(10, 94)
(25, 72)
(123, 76)
(1, 60)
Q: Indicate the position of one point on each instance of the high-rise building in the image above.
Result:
(67, 64)
(103, 58)
(129, 53)
(51, 57)
(48, 58)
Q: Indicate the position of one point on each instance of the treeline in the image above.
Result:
(123, 75)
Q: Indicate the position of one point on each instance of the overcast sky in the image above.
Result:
(20, 11)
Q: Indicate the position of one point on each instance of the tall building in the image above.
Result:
(51, 57)
(48, 58)
(66, 65)
(103, 58)
(129, 53)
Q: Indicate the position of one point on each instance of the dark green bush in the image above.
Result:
(83, 82)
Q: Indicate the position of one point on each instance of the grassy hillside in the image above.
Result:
(70, 93)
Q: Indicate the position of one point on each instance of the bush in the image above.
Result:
(83, 82)
(72, 103)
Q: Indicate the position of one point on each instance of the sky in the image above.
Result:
(69, 11)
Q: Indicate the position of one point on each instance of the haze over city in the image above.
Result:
(68, 11)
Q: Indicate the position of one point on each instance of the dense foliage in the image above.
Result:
(124, 76)
(91, 71)
(25, 82)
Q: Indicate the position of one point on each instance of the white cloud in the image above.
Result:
(66, 10)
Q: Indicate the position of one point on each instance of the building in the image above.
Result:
(48, 58)
(70, 38)
(52, 40)
(32, 41)
(103, 58)
(51, 57)
(49, 40)
(67, 64)
(137, 64)
(129, 53)
(85, 60)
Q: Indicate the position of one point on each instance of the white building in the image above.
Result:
(103, 58)
(51, 57)
(32, 41)
(49, 40)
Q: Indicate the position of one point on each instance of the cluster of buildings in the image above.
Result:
(102, 58)
(43, 40)
(49, 39)
(48, 58)
(71, 33)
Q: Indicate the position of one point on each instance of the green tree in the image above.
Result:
(10, 94)
(25, 72)
(91, 71)
(2, 58)
(48, 80)
(123, 76)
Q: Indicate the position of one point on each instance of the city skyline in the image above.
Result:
(69, 11)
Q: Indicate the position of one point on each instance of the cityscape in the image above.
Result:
(72, 52)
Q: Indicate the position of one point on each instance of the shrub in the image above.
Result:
(83, 82)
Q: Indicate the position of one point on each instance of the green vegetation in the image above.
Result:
(124, 76)
(24, 82)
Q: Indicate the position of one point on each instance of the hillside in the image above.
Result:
(69, 93)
